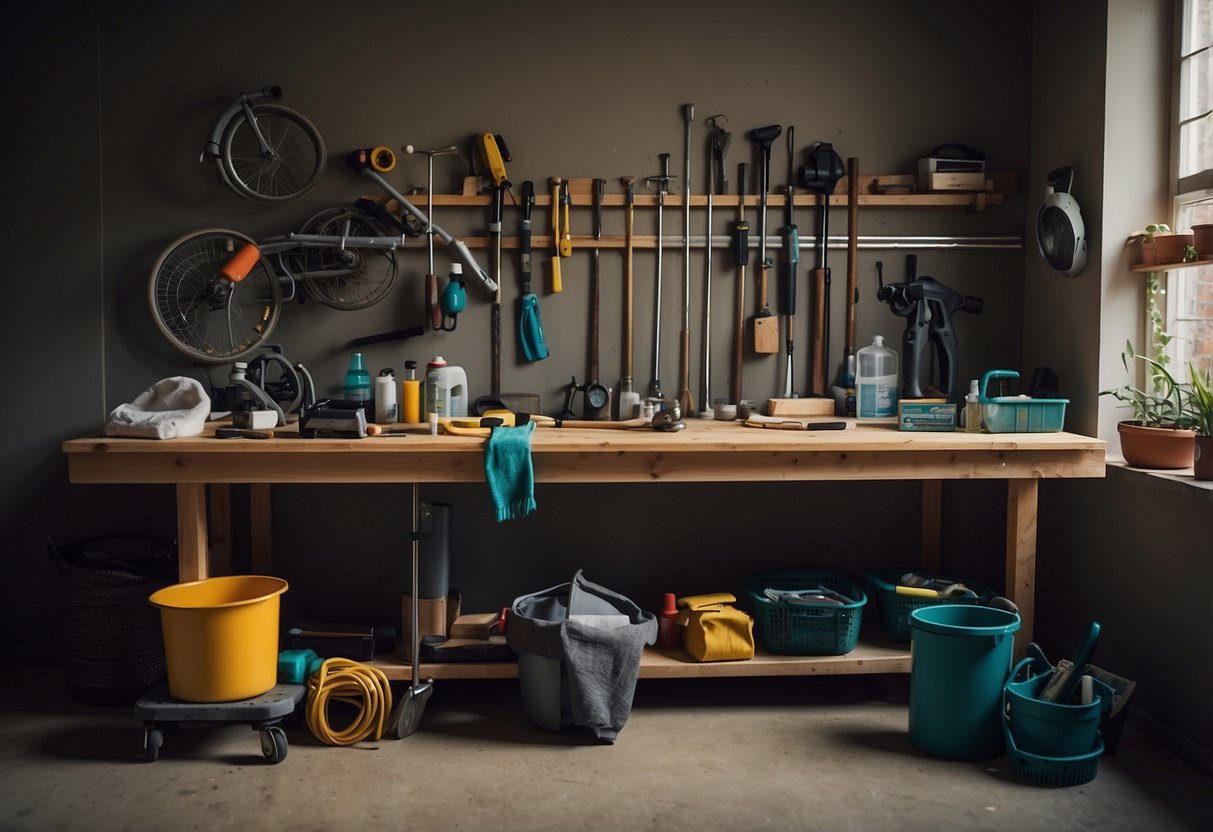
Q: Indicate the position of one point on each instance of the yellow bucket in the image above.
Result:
(220, 636)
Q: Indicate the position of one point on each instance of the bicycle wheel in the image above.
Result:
(346, 278)
(290, 169)
(205, 317)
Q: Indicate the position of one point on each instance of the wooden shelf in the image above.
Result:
(1142, 268)
(867, 657)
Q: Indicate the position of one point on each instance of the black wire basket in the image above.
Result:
(110, 636)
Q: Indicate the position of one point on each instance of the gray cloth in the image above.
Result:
(601, 664)
(172, 407)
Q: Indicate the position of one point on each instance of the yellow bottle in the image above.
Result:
(410, 395)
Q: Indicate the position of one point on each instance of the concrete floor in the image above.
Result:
(793, 753)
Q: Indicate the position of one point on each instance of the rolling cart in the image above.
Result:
(160, 712)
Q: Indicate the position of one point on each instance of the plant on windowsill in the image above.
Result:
(1159, 246)
(1198, 405)
(1160, 433)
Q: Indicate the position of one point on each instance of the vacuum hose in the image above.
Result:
(360, 685)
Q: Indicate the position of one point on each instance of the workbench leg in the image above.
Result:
(220, 504)
(932, 521)
(261, 529)
(191, 531)
(1022, 497)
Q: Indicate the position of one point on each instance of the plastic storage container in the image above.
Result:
(357, 386)
(895, 609)
(876, 381)
(1019, 414)
(1051, 729)
(445, 388)
(960, 662)
(806, 629)
(221, 636)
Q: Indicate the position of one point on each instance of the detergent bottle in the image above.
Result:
(445, 388)
(876, 381)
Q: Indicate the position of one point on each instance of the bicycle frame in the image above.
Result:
(243, 103)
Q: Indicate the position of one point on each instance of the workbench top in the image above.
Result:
(706, 451)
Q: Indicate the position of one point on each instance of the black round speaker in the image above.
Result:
(1060, 234)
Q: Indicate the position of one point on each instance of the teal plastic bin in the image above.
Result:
(1018, 414)
(960, 660)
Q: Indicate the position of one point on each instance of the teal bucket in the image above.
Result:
(1052, 729)
(960, 659)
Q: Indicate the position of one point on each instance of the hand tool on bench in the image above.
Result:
(741, 254)
(718, 145)
(597, 397)
(530, 328)
(766, 326)
(557, 283)
(791, 256)
(629, 399)
(663, 183)
(820, 175)
(433, 310)
(685, 399)
(844, 386)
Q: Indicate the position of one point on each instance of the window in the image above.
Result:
(1190, 291)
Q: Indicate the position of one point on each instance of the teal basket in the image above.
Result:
(1052, 771)
(895, 609)
(806, 629)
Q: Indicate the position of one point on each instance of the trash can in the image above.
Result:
(221, 636)
(960, 659)
(579, 647)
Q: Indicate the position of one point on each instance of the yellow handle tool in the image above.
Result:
(566, 241)
(492, 157)
(557, 285)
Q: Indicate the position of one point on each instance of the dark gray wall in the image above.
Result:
(129, 91)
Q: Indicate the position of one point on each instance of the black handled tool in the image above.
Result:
(787, 282)
(820, 175)
(766, 328)
(741, 254)
(597, 397)
(530, 328)
(662, 181)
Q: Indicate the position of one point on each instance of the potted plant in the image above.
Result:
(1158, 245)
(1160, 433)
(1199, 408)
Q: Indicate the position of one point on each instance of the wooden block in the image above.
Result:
(474, 625)
(810, 406)
(952, 182)
(894, 184)
(766, 334)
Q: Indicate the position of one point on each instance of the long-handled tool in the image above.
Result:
(685, 399)
(433, 310)
(766, 327)
(629, 399)
(411, 705)
(663, 183)
(597, 396)
(741, 254)
(820, 175)
(787, 283)
(718, 146)
(496, 154)
(557, 283)
(530, 328)
(844, 386)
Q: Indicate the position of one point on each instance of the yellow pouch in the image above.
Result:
(713, 630)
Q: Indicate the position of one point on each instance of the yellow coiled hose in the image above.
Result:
(360, 685)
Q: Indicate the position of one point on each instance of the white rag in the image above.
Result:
(172, 407)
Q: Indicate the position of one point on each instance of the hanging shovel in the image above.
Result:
(820, 175)
(530, 329)
(407, 716)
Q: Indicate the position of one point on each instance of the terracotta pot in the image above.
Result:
(1202, 239)
(1171, 247)
(1202, 466)
(1166, 448)
(1146, 254)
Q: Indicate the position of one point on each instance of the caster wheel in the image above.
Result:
(273, 744)
(153, 738)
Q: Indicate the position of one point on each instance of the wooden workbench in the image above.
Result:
(705, 452)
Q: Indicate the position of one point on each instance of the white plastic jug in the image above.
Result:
(876, 381)
(445, 388)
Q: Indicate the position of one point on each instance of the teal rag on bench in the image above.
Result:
(508, 471)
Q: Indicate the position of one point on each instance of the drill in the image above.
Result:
(928, 306)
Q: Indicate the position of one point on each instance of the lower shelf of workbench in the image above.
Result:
(869, 656)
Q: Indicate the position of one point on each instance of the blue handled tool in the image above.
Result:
(530, 328)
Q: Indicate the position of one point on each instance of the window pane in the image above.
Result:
(1197, 28)
(1195, 77)
(1191, 298)
(1196, 146)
